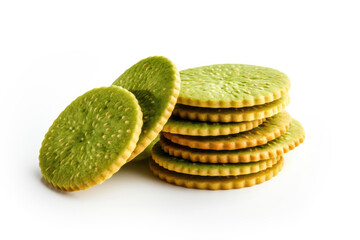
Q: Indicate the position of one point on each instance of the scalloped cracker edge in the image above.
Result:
(271, 129)
(155, 132)
(215, 183)
(224, 129)
(290, 140)
(232, 115)
(208, 169)
(142, 145)
(234, 104)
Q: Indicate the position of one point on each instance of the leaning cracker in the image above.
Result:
(208, 169)
(91, 139)
(272, 128)
(215, 183)
(231, 85)
(232, 114)
(155, 82)
(176, 125)
(279, 146)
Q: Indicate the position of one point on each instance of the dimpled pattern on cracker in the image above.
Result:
(155, 82)
(279, 146)
(176, 125)
(231, 85)
(91, 139)
(218, 182)
(207, 169)
(272, 128)
(232, 114)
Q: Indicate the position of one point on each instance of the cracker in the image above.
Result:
(272, 128)
(177, 125)
(279, 146)
(215, 183)
(231, 85)
(208, 169)
(232, 114)
(91, 139)
(155, 82)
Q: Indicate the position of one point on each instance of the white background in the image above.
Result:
(50, 53)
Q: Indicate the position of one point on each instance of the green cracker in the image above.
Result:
(155, 82)
(91, 139)
(218, 182)
(231, 85)
(279, 146)
(272, 128)
(232, 114)
(208, 169)
(177, 125)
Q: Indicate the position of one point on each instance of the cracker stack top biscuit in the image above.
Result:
(231, 85)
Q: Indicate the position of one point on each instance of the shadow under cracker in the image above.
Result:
(138, 167)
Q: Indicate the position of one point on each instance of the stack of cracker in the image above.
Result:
(228, 129)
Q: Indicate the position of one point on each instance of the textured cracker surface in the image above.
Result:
(215, 183)
(91, 139)
(177, 125)
(155, 82)
(272, 128)
(208, 169)
(232, 114)
(279, 146)
(231, 85)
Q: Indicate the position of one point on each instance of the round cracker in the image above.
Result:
(232, 114)
(215, 183)
(176, 125)
(272, 128)
(155, 82)
(208, 169)
(231, 85)
(91, 139)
